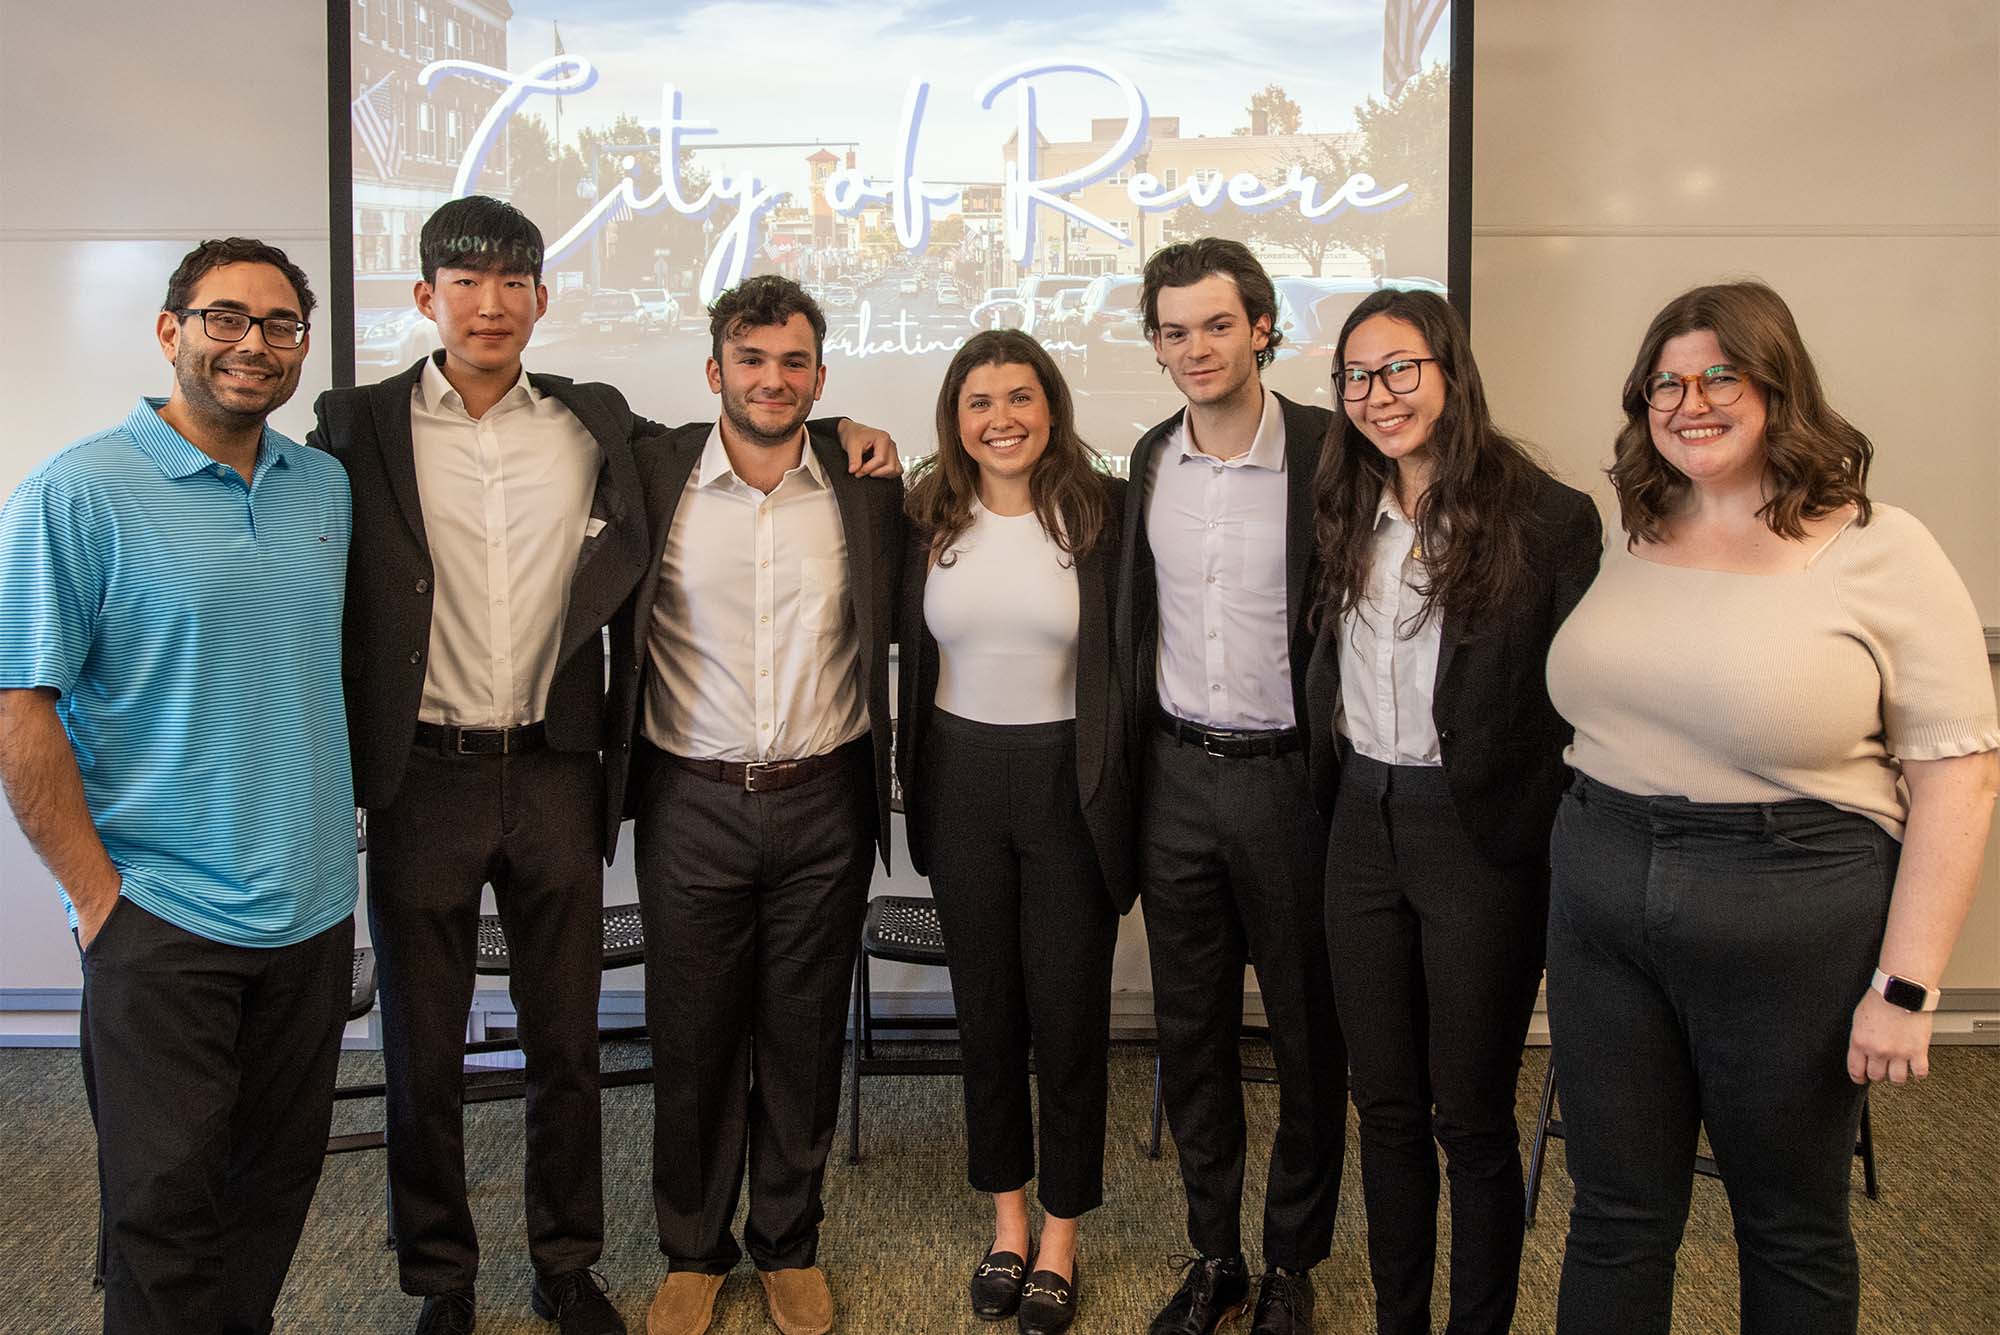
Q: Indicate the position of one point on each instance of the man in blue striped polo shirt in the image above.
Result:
(174, 745)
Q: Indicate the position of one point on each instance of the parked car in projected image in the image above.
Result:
(389, 331)
(1310, 314)
(662, 308)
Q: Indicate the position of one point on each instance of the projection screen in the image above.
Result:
(926, 168)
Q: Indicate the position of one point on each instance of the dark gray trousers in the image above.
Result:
(1705, 960)
(752, 904)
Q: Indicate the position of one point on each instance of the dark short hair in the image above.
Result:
(767, 299)
(1186, 263)
(483, 234)
(1815, 460)
(196, 264)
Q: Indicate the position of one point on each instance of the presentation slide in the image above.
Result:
(926, 169)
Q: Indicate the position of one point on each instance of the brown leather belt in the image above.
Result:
(482, 741)
(766, 776)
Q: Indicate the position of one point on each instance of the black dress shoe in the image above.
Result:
(1284, 1303)
(1217, 1288)
(1048, 1301)
(996, 1285)
(448, 1314)
(576, 1299)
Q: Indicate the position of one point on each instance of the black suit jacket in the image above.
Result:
(1103, 776)
(1501, 739)
(390, 578)
(1138, 608)
(871, 520)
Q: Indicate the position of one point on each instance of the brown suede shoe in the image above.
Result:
(798, 1300)
(684, 1304)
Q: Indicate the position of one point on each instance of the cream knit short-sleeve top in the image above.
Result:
(1723, 687)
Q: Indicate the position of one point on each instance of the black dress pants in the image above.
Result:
(527, 824)
(1029, 933)
(1437, 955)
(1705, 960)
(209, 1069)
(1233, 860)
(752, 904)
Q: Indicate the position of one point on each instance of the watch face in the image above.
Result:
(1902, 992)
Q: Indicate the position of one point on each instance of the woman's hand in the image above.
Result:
(1888, 1042)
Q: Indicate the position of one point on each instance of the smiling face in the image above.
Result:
(1207, 342)
(1003, 420)
(1399, 425)
(484, 316)
(769, 377)
(1712, 446)
(239, 384)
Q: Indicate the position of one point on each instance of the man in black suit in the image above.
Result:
(1216, 579)
(498, 528)
(755, 667)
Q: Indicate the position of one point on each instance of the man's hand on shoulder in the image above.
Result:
(870, 451)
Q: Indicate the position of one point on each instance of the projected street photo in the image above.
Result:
(926, 169)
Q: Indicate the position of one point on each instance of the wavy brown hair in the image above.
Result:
(1472, 522)
(1815, 460)
(1072, 498)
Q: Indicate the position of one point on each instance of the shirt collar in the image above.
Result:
(715, 461)
(1267, 447)
(438, 392)
(1387, 505)
(179, 457)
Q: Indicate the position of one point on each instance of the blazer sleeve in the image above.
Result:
(1579, 549)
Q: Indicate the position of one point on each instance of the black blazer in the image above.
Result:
(1103, 777)
(1138, 609)
(1501, 739)
(871, 520)
(386, 633)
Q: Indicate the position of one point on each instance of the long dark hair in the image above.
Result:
(1072, 498)
(1815, 460)
(1473, 521)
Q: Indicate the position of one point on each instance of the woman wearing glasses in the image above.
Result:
(1014, 778)
(1449, 560)
(1785, 742)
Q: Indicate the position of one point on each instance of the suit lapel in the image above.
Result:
(611, 559)
(860, 537)
(390, 403)
(1302, 450)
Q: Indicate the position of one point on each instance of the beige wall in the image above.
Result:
(1851, 161)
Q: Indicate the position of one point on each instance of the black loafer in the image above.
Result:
(996, 1286)
(575, 1300)
(450, 1313)
(1048, 1301)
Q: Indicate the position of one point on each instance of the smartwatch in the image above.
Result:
(1902, 992)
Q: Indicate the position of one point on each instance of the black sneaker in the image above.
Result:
(448, 1314)
(1284, 1303)
(576, 1300)
(1216, 1289)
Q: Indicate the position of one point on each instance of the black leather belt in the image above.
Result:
(766, 776)
(1228, 744)
(482, 741)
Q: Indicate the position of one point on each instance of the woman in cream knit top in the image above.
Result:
(1784, 743)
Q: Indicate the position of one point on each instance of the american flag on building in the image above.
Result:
(380, 132)
(1406, 28)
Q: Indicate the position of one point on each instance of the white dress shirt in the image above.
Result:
(1217, 530)
(1386, 681)
(506, 501)
(753, 641)
(1004, 614)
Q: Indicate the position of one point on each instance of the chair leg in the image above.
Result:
(867, 1012)
(1159, 1108)
(1866, 1149)
(854, 1045)
(1539, 1147)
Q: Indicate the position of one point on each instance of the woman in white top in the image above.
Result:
(1013, 766)
(1448, 559)
(1785, 740)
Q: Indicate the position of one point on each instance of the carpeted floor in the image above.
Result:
(902, 1228)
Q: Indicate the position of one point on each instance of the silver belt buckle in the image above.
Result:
(1209, 741)
(751, 769)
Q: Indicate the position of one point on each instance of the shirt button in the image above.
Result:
(1217, 686)
(1211, 579)
(423, 586)
(763, 672)
(764, 619)
(763, 565)
(1211, 635)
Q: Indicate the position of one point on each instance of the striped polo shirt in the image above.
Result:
(191, 625)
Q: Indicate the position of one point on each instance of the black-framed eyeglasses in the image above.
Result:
(227, 326)
(1720, 387)
(1401, 376)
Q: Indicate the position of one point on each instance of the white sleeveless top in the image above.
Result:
(1004, 614)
